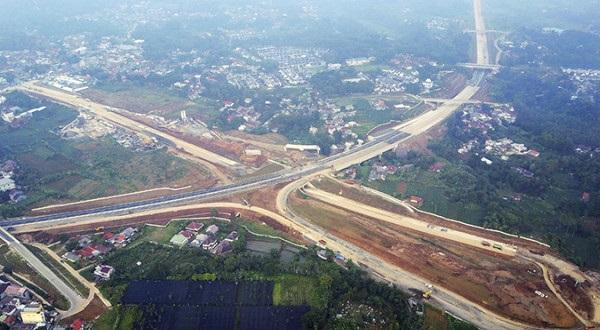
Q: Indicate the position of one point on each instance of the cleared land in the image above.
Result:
(55, 170)
(113, 117)
(501, 284)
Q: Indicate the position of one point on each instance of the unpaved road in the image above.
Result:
(120, 120)
(408, 222)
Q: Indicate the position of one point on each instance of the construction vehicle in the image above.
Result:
(99, 228)
(485, 243)
(497, 246)
(427, 294)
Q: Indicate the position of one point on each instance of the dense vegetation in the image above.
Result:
(306, 279)
(571, 49)
(551, 206)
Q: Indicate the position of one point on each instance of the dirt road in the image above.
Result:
(103, 112)
(408, 222)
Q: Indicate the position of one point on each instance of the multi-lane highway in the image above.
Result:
(376, 146)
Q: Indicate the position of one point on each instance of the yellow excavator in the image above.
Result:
(427, 294)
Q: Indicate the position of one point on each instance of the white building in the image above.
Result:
(7, 184)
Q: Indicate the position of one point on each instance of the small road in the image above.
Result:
(75, 300)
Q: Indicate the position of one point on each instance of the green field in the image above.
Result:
(436, 193)
(435, 319)
(152, 100)
(296, 290)
(57, 170)
(119, 317)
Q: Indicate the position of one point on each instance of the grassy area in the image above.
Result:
(119, 317)
(43, 287)
(159, 234)
(435, 319)
(148, 99)
(296, 290)
(58, 170)
(60, 270)
(258, 228)
(269, 168)
(429, 185)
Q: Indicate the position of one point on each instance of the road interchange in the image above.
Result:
(386, 141)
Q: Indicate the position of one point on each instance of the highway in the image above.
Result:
(483, 53)
(449, 300)
(383, 143)
(75, 300)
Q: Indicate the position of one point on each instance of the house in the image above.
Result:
(202, 238)
(196, 244)
(586, 197)
(16, 291)
(107, 236)
(187, 234)
(10, 320)
(119, 240)
(212, 229)
(129, 232)
(99, 249)
(487, 161)
(223, 248)
(233, 236)
(72, 257)
(416, 200)
(7, 184)
(179, 240)
(210, 243)
(9, 166)
(437, 167)
(33, 313)
(104, 271)
(84, 241)
(16, 196)
(3, 287)
(86, 252)
(195, 227)
(77, 324)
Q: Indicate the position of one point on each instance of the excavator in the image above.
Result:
(427, 294)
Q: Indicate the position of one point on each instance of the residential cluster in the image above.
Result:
(208, 240)
(587, 82)
(9, 190)
(93, 248)
(482, 120)
(21, 309)
(379, 172)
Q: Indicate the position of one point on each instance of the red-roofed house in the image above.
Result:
(585, 197)
(416, 200)
(437, 167)
(77, 324)
(195, 227)
(86, 252)
(108, 236)
(187, 234)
